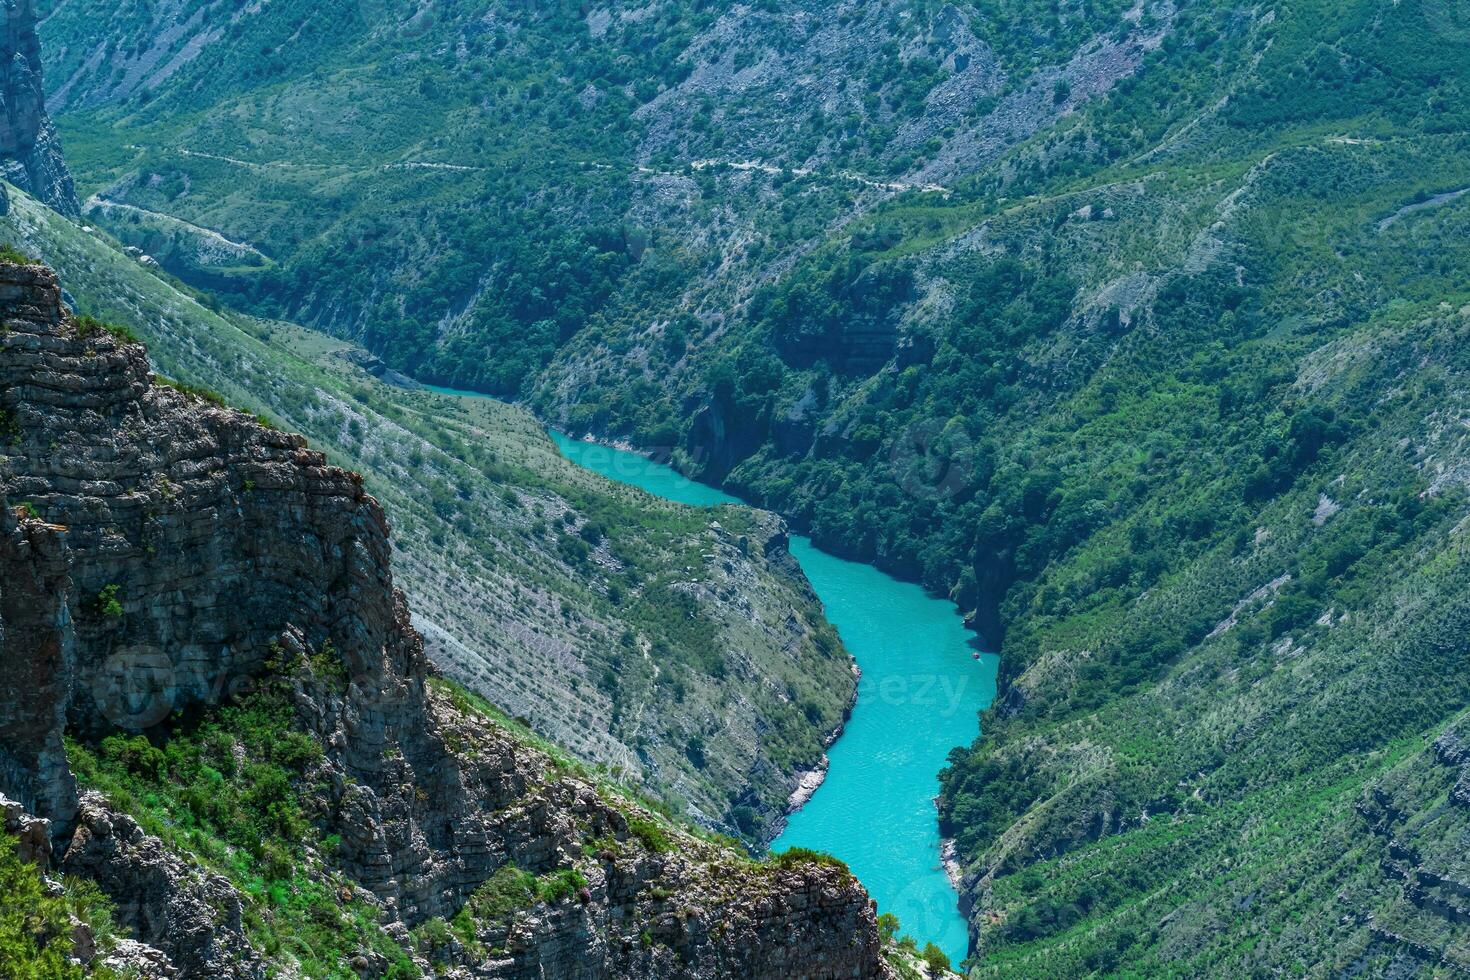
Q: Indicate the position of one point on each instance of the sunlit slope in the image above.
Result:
(624, 628)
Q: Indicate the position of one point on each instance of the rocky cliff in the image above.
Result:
(30, 153)
(36, 656)
(166, 558)
(492, 558)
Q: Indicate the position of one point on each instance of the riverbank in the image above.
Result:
(807, 781)
(949, 856)
(923, 682)
(810, 780)
(922, 687)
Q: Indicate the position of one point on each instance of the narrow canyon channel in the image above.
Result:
(921, 694)
(925, 681)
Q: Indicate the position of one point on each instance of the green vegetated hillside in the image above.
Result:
(1140, 330)
(684, 653)
(36, 923)
(518, 171)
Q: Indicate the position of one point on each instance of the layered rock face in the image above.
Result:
(160, 898)
(688, 909)
(160, 553)
(30, 153)
(196, 539)
(36, 658)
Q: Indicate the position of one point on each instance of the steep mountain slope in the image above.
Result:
(519, 170)
(32, 153)
(306, 792)
(539, 586)
(1222, 738)
(1135, 328)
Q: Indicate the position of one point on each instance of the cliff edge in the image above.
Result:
(172, 572)
(30, 152)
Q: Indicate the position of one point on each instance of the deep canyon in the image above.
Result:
(1135, 332)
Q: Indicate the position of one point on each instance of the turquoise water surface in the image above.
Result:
(920, 696)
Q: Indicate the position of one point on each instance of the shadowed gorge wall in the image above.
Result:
(30, 152)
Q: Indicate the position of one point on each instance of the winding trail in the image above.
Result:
(893, 186)
(1429, 204)
(97, 202)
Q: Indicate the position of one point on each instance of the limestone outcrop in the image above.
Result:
(30, 152)
(36, 659)
(190, 917)
(162, 554)
(194, 537)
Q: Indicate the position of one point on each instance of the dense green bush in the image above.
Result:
(36, 927)
(9, 253)
(90, 326)
(795, 857)
(229, 788)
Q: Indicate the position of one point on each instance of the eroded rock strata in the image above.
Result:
(36, 660)
(162, 553)
(30, 152)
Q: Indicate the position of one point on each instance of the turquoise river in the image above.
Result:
(921, 693)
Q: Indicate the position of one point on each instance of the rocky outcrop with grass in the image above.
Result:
(272, 778)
